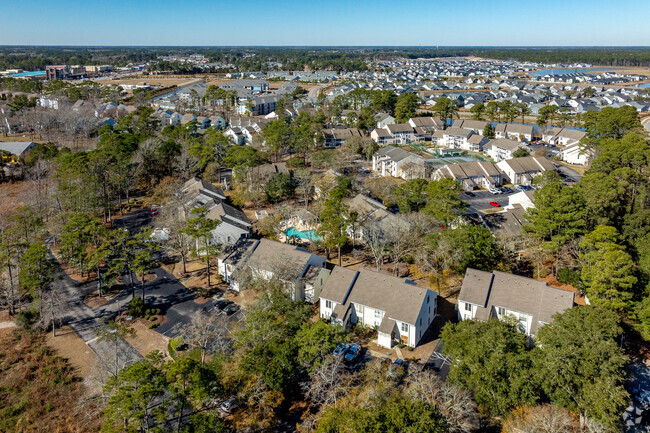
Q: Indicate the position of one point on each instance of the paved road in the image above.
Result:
(85, 321)
(568, 171)
(315, 91)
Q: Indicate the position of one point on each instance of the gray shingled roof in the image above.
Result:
(16, 147)
(337, 284)
(401, 300)
(513, 292)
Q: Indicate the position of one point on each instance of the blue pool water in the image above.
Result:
(28, 74)
(645, 85)
(309, 235)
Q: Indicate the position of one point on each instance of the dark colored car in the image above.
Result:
(495, 204)
(507, 190)
(341, 350)
(222, 303)
(402, 363)
(353, 353)
(470, 193)
(231, 309)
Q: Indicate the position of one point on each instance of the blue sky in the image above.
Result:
(336, 22)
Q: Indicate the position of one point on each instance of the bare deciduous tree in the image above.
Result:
(328, 383)
(454, 403)
(376, 240)
(209, 333)
(545, 418)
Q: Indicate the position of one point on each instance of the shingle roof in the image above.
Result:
(399, 127)
(459, 132)
(16, 147)
(529, 164)
(401, 300)
(238, 253)
(195, 184)
(514, 292)
(505, 143)
(270, 254)
(338, 283)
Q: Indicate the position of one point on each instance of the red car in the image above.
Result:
(154, 211)
(495, 204)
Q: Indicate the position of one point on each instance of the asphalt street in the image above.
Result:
(164, 292)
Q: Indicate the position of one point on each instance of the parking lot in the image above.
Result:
(482, 199)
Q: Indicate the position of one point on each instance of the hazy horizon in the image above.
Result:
(557, 23)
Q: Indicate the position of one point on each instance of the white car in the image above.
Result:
(229, 405)
(494, 191)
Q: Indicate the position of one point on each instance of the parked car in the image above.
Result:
(519, 188)
(507, 190)
(494, 191)
(495, 204)
(221, 304)
(154, 211)
(229, 405)
(402, 363)
(341, 350)
(353, 353)
(470, 193)
(231, 309)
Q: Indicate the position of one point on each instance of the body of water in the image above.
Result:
(28, 74)
(309, 235)
(644, 85)
(568, 71)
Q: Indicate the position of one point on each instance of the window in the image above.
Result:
(427, 299)
(377, 313)
(501, 311)
(468, 307)
(420, 321)
(328, 304)
(405, 327)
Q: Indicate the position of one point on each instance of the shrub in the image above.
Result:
(158, 311)
(148, 312)
(295, 162)
(136, 307)
(569, 276)
(152, 318)
(175, 344)
(25, 319)
(152, 325)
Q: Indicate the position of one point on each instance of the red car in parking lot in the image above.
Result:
(495, 204)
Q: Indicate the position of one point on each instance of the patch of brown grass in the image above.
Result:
(39, 391)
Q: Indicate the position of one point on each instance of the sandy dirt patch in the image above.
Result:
(70, 346)
(147, 340)
(94, 300)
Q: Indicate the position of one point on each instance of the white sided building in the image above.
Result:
(400, 311)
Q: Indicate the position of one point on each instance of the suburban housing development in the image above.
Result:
(327, 239)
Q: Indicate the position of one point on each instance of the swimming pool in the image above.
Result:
(309, 235)
(28, 74)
